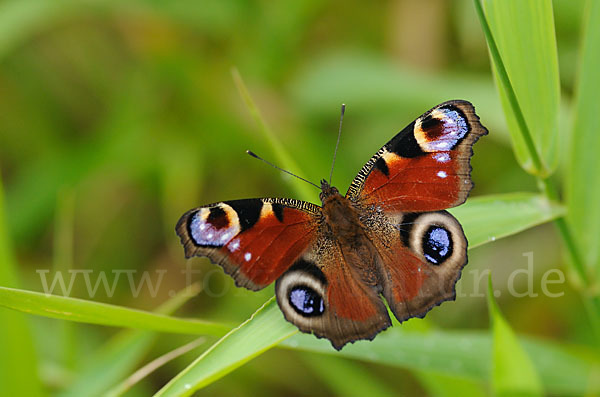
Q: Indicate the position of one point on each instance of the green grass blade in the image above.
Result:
(462, 354)
(284, 159)
(62, 261)
(489, 218)
(18, 365)
(525, 61)
(265, 329)
(152, 366)
(116, 359)
(513, 373)
(583, 179)
(90, 312)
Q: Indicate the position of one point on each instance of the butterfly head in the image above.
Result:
(327, 190)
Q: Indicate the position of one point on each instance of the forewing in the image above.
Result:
(425, 167)
(254, 240)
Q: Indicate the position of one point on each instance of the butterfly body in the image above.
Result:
(388, 237)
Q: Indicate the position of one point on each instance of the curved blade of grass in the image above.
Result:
(116, 359)
(90, 312)
(525, 61)
(462, 354)
(265, 329)
(283, 158)
(513, 373)
(152, 366)
(488, 218)
(583, 179)
(18, 366)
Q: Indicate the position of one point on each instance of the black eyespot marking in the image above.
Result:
(218, 218)
(305, 266)
(306, 301)
(437, 244)
(381, 165)
(405, 144)
(278, 211)
(432, 127)
(408, 221)
(248, 211)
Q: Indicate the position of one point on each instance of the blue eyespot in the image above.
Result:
(306, 301)
(437, 245)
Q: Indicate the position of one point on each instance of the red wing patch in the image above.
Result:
(429, 182)
(254, 240)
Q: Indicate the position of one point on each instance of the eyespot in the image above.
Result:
(435, 236)
(437, 244)
(301, 292)
(213, 226)
(306, 301)
(441, 129)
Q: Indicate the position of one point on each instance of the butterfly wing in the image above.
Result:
(254, 240)
(421, 256)
(322, 294)
(425, 167)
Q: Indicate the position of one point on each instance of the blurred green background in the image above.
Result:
(118, 116)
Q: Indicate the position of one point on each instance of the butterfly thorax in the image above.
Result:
(343, 220)
(340, 215)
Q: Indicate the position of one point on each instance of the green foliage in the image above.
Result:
(116, 117)
(85, 311)
(118, 357)
(464, 355)
(513, 373)
(488, 218)
(524, 35)
(19, 358)
(583, 178)
(262, 331)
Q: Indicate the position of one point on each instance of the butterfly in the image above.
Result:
(389, 236)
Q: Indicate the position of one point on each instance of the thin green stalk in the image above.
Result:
(283, 157)
(548, 188)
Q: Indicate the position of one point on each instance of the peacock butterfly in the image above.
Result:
(389, 235)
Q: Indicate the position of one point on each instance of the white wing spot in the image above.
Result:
(442, 174)
(441, 157)
(235, 245)
(247, 256)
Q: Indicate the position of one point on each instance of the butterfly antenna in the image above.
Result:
(281, 169)
(337, 143)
